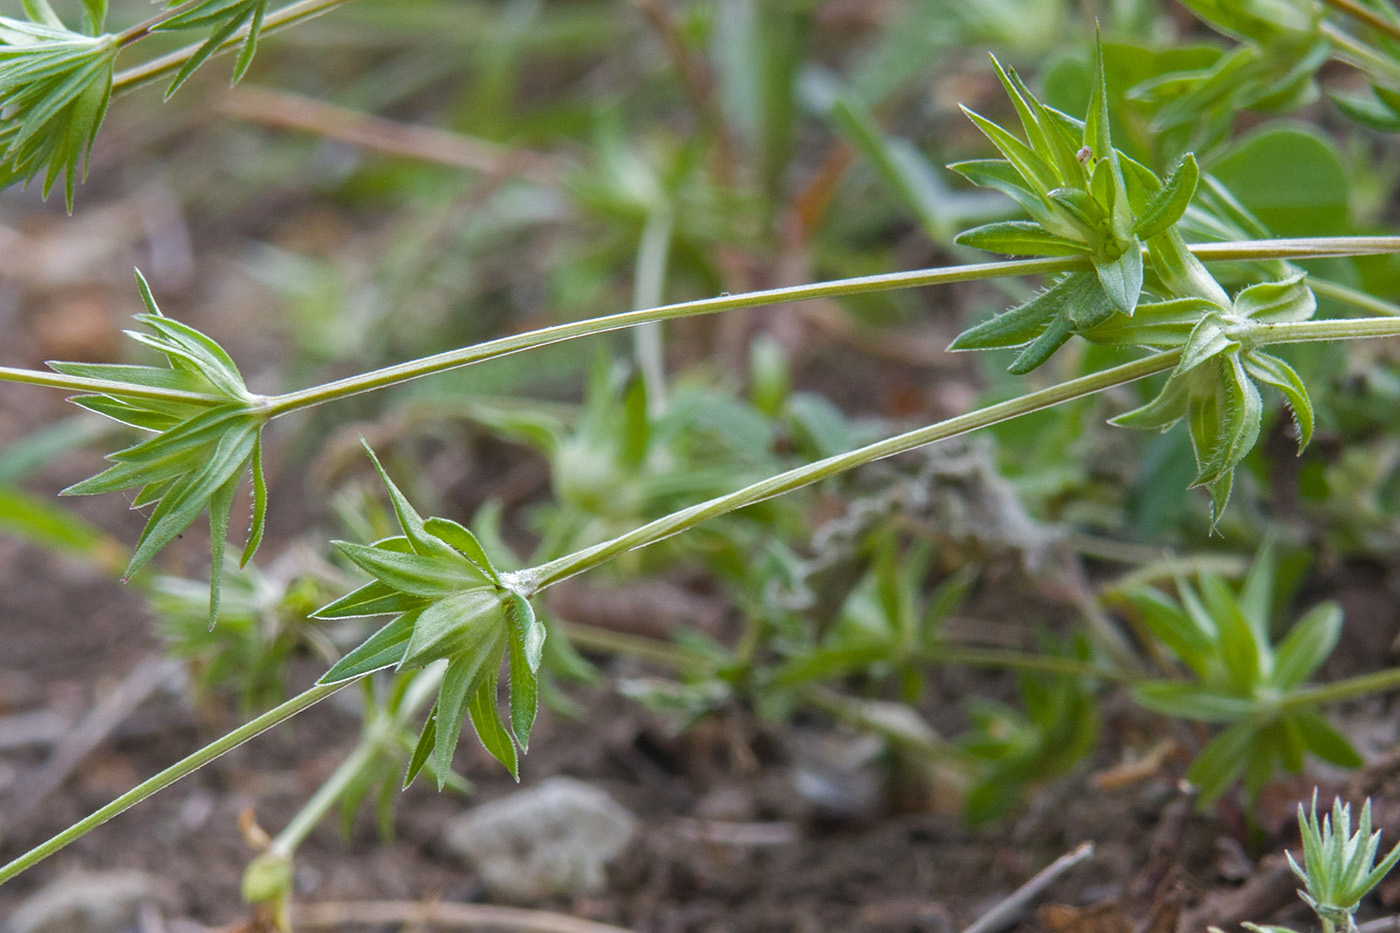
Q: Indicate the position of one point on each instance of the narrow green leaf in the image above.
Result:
(245, 58)
(463, 542)
(1036, 171)
(1171, 201)
(1256, 599)
(258, 517)
(427, 739)
(422, 576)
(1367, 111)
(40, 12)
(409, 520)
(1175, 628)
(1082, 211)
(1015, 327)
(1020, 238)
(1277, 302)
(460, 682)
(1000, 175)
(1307, 646)
(1220, 763)
(1273, 371)
(635, 435)
(1040, 349)
(126, 413)
(1207, 341)
(220, 504)
(526, 653)
(1121, 278)
(1326, 742)
(183, 504)
(202, 55)
(1166, 408)
(126, 475)
(486, 717)
(1244, 650)
(94, 16)
(1189, 701)
(201, 350)
(1159, 324)
(372, 599)
(384, 649)
(455, 624)
(199, 430)
(152, 376)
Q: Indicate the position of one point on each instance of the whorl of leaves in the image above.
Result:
(449, 604)
(55, 85)
(201, 449)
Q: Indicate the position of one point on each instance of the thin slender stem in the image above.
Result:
(38, 377)
(1361, 685)
(157, 68)
(143, 29)
(491, 349)
(1369, 17)
(592, 638)
(1296, 248)
(381, 731)
(1359, 54)
(648, 289)
(169, 776)
(532, 580)
(320, 803)
(1338, 329)
(1353, 297)
(1021, 661)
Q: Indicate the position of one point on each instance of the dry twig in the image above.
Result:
(1009, 908)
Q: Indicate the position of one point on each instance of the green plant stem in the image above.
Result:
(535, 579)
(166, 65)
(491, 349)
(1338, 329)
(38, 377)
(1353, 297)
(169, 776)
(1360, 685)
(653, 255)
(504, 346)
(380, 732)
(593, 638)
(1021, 661)
(144, 28)
(1359, 54)
(1369, 17)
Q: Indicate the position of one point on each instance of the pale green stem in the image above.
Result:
(1353, 297)
(491, 349)
(653, 254)
(1369, 17)
(145, 28)
(1361, 685)
(381, 732)
(1020, 661)
(169, 776)
(1338, 329)
(38, 377)
(166, 65)
(1358, 54)
(532, 580)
